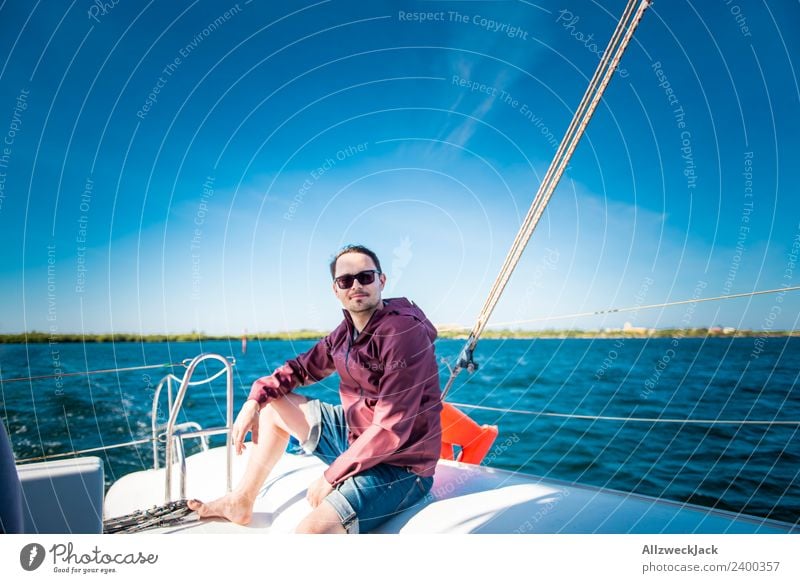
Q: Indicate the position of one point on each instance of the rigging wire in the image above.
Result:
(630, 419)
(653, 420)
(83, 451)
(91, 372)
(636, 308)
(623, 33)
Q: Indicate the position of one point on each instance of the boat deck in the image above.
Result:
(464, 499)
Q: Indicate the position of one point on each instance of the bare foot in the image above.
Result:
(232, 506)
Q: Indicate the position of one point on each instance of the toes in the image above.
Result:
(222, 508)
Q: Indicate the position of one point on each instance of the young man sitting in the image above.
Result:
(382, 443)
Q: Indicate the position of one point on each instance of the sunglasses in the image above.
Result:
(364, 278)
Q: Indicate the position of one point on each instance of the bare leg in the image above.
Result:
(322, 520)
(276, 422)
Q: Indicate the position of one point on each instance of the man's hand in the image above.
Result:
(317, 491)
(246, 422)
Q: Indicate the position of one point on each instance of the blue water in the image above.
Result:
(743, 468)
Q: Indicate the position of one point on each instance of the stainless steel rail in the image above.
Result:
(154, 417)
(174, 435)
(168, 380)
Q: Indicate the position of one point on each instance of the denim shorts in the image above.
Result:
(367, 499)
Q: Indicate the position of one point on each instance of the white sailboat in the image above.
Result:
(67, 495)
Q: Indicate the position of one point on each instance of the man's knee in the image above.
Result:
(287, 414)
(268, 415)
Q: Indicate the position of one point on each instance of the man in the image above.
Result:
(382, 442)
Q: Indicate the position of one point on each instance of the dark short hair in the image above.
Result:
(355, 249)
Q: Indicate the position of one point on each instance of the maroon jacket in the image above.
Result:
(389, 389)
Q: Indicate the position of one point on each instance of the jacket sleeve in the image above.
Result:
(408, 359)
(308, 368)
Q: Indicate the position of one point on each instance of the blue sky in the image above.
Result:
(193, 166)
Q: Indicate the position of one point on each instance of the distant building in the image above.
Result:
(629, 328)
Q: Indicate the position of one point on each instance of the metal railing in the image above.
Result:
(168, 380)
(176, 432)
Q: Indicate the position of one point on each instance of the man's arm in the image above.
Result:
(308, 368)
(409, 363)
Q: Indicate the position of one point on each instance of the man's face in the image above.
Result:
(359, 298)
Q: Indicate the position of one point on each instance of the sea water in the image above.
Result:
(616, 413)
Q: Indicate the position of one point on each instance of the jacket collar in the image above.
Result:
(390, 306)
(376, 317)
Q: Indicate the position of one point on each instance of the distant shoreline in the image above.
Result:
(35, 337)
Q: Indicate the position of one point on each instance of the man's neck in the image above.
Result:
(360, 319)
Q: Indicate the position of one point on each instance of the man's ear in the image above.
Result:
(382, 279)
